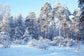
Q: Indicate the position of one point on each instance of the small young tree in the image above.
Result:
(26, 36)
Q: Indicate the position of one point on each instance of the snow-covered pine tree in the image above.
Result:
(20, 27)
(44, 19)
(52, 24)
(12, 28)
(75, 22)
(26, 36)
(3, 9)
(62, 13)
(5, 37)
(81, 20)
(56, 7)
(30, 22)
(76, 26)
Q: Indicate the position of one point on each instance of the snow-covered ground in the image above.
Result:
(25, 50)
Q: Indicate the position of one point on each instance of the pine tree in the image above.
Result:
(12, 28)
(62, 13)
(75, 22)
(19, 30)
(30, 22)
(5, 37)
(56, 7)
(43, 18)
(81, 19)
(52, 24)
(26, 36)
(3, 9)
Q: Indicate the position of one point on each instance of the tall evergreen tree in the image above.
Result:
(62, 13)
(30, 22)
(20, 27)
(5, 36)
(75, 23)
(3, 9)
(44, 17)
(81, 20)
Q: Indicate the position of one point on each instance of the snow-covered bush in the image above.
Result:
(33, 42)
(43, 43)
(47, 41)
(61, 41)
(6, 44)
(57, 40)
(1, 45)
(40, 38)
(68, 42)
(18, 42)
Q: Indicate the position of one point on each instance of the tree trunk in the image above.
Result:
(32, 30)
(52, 31)
(65, 30)
(59, 28)
(46, 31)
(46, 24)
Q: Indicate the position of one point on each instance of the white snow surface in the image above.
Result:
(25, 50)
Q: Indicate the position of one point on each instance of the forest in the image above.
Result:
(55, 26)
(53, 31)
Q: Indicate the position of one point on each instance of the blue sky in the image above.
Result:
(25, 6)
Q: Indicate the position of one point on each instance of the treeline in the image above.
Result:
(52, 22)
